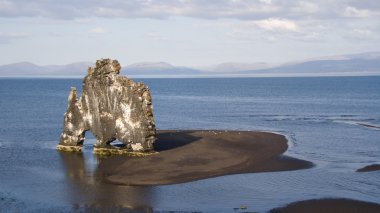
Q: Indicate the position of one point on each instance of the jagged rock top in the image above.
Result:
(105, 67)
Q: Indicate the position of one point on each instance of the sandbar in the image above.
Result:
(190, 155)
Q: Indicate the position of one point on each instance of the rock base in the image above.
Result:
(69, 148)
(105, 151)
(115, 151)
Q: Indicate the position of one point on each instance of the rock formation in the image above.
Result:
(111, 107)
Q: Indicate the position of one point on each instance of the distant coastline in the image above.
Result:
(288, 75)
(364, 64)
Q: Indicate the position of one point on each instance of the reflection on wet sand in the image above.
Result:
(87, 192)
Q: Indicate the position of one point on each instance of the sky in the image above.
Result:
(185, 32)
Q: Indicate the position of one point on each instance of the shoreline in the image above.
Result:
(190, 155)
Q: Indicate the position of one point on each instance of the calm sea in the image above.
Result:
(322, 118)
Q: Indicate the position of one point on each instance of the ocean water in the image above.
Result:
(322, 118)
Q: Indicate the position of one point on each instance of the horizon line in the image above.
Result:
(197, 66)
(267, 75)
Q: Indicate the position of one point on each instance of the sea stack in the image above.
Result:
(112, 107)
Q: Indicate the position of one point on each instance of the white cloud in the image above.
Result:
(98, 30)
(306, 7)
(266, 1)
(277, 30)
(362, 33)
(277, 25)
(220, 9)
(109, 12)
(354, 12)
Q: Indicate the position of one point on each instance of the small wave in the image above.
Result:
(360, 123)
(347, 116)
(369, 125)
(291, 138)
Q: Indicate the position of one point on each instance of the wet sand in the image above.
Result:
(329, 206)
(192, 155)
(370, 168)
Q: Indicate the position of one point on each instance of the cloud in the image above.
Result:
(277, 30)
(364, 32)
(357, 13)
(361, 33)
(271, 16)
(211, 9)
(306, 7)
(240, 9)
(277, 25)
(98, 30)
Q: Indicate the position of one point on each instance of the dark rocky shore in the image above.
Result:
(370, 168)
(329, 206)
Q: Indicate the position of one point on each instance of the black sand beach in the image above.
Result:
(192, 155)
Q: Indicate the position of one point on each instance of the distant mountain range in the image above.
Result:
(365, 63)
(158, 68)
(341, 65)
(29, 69)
